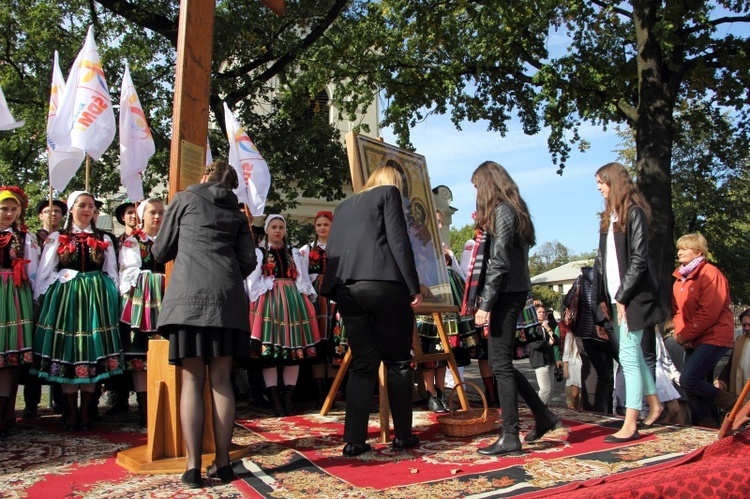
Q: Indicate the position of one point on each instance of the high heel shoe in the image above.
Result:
(192, 478)
(225, 473)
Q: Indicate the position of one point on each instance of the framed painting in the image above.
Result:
(367, 154)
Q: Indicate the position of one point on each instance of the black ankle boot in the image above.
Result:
(289, 401)
(142, 399)
(3, 408)
(508, 443)
(73, 421)
(273, 397)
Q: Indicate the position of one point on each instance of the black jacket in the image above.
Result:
(506, 261)
(369, 242)
(208, 237)
(638, 289)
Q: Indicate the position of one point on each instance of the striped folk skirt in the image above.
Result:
(283, 326)
(76, 339)
(331, 327)
(140, 310)
(16, 321)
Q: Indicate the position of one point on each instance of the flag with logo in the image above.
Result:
(85, 118)
(252, 169)
(63, 161)
(136, 141)
(6, 119)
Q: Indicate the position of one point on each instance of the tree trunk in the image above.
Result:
(654, 134)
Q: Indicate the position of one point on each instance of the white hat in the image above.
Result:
(271, 217)
(74, 195)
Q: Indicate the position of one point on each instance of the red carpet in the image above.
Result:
(301, 457)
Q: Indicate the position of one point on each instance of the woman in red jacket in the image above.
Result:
(703, 324)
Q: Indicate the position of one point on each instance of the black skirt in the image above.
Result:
(207, 342)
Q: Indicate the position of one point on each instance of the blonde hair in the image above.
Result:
(384, 175)
(694, 241)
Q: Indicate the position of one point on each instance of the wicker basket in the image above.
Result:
(469, 422)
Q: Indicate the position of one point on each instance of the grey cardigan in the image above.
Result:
(209, 239)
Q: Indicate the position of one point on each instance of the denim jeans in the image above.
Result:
(699, 364)
(638, 379)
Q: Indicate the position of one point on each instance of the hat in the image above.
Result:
(324, 213)
(15, 193)
(271, 217)
(120, 211)
(98, 203)
(41, 205)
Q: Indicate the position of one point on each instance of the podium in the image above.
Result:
(436, 311)
(165, 451)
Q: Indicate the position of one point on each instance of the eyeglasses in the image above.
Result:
(54, 212)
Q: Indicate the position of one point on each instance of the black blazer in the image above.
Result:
(369, 242)
(638, 290)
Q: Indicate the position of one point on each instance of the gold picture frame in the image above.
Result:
(367, 154)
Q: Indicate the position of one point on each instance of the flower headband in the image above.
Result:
(326, 214)
(16, 193)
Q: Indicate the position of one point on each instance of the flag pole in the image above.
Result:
(49, 218)
(88, 168)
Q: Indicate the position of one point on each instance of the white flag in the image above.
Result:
(85, 118)
(6, 119)
(252, 169)
(63, 161)
(209, 156)
(136, 142)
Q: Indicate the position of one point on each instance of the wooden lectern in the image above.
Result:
(436, 311)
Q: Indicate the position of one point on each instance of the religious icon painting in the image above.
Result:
(367, 154)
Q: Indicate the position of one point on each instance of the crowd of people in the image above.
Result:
(80, 305)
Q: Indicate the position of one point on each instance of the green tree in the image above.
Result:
(459, 237)
(625, 63)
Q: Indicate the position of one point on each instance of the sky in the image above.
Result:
(563, 208)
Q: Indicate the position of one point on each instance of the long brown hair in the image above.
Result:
(622, 192)
(495, 186)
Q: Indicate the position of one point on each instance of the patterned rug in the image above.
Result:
(301, 457)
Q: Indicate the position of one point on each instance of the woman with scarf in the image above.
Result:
(503, 286)
(19, 256)
(283, 329)
(704, 325)
(142, 287)
(627, 290)
(77, 342)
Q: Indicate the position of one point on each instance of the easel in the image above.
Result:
(165, 451)
(436, 311)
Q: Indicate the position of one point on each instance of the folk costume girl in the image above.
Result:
(333, 346)
(283, 328)
(19, 256)
(142, 287)
(76, 342)
(460, 330)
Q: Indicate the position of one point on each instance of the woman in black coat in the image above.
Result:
(504, 215)
(372, 276)
(205, 308)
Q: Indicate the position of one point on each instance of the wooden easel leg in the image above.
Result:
(385, 408)
(336, 383)
(437, 317)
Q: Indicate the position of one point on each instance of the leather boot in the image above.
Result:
(71, 400)
(273, 397)
(141, 397)
(490, 391)
(121, 402)
(289, 401)
(322, 392)
(708, 423)
(508, 443)
(86, 419)
(726, 400)
(3, 408)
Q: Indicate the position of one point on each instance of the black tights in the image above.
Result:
(192, 411)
